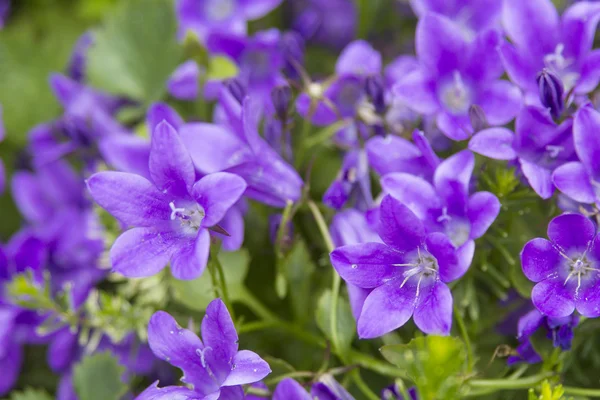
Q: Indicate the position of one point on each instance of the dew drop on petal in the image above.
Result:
(354, 266)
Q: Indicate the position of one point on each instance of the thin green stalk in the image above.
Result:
(582, 391)
(502, 384)
(375, 365)
(362, 386)
(213, 278)
(465, 335)
(223, 285)
(294, 374)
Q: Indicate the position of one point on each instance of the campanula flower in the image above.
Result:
(185, 81)
(213, 368)
(580, 180)
(352, 181)
(327, 388)
(539, 146)
(455, 73)
(446, 206)
(312, 20)
(408, 274)
(212, 16)
(541, 39)
(392, 393)
(170, 214)
(551, 92)
(565, 268)
(78, 62)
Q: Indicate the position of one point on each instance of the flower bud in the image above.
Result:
(236, 88)
(551, 92)
(281, 97)
(375, 91)
(477, 118)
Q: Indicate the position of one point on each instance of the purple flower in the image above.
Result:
(540, 39)
(446, 206)
(184, 83)
(78, 61)
(471, 15)
(539, 146)
(352, 180)
(239, 149)
(213, 366)
(327, 388)
(4, 12)
(312, 19)
(289, 389)
(580, 180)
(210, 16)
(565, 268)
(455, 73)
(170, 214)
(392, 393)
(551, 92)
(408, 274)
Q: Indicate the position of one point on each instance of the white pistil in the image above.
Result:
(175, 211)
(554, 151)
(444, 216)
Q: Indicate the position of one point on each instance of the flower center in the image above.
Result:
(554, 151)
(219, 10)
(456, 96)
(189, 217)
(557, 63)
(579, 267)
(456, 229)
(424, 266)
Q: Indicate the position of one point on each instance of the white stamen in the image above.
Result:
(554, 151)
(175, 211)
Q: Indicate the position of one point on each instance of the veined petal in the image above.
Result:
(217, 193)
(433, 314)
(191, 256)
(588, 299)
(482, 210)
(440, 246)
(553, 298)
(571, 232)
(496, 143)
(573, 180)
(249, 368)
(219, 335)
(412, 191)
(539, 259)
(130, 198)
(399, 227)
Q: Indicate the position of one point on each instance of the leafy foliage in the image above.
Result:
(99, 377)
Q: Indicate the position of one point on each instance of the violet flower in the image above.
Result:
(408, 274)
(4, 12)
(471, 15)
(213, 367)
(78, 62)
(184, 83)
(392, 393)
(541, 39)
(289, 389)
(565, 268)
(327, 388)
(204, 17)
(456, 73)
(312, 20)
(446, 206)
(580, 180)
(539, 146)
(352, 182)
(170, 215)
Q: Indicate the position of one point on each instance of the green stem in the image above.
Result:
(582, 391)
(213, 278)
(294, 374)
(223, 284)
(465, 335)
(362, 386)
(375, 365)
(502, 384)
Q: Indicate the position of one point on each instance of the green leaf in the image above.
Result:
(31, 394)
(278, 366)
(136, 50)
(197, 293)
(434, 363)
(98, 377)
(221, 68)
(298, 269)
(346, 327)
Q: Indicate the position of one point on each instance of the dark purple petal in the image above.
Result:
(433, 314)
(571, 232)
(501, 102)
(10, 365)
(357, 297)
(289, 389)
(233, 223)
(220, 339)
(464, 257)
(232, 393)
(539, 259)
(587, 141)
(399, 227)
(248, 368)
(62, 350)
(539, 178)
(482, 210)
(553, 298)
(444, 251)
(217, 193)
(130, 198)
(532, 25)
(189, 261)
(529, 323)
(388, 307)
(366, 265)
(170, 164)
(142, 252)
(588, 298)
(154, 392)
(425, 148)
(417, 91)
(573, 180)
(484, 63)
(412, 191)
(496, 143)
(440, 44)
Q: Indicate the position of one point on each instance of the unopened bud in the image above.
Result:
(477, 118)
(236, 88)
(375, 91)
(281, 97)
(551, 92)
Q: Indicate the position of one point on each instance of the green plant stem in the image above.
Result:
(582, 391)
(362, 386)
(294, 374)
(465, 335)
(223, 285)
(502, 384)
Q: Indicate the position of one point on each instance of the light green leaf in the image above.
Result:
(298, 269)
(31, 394)
(220, 68)
(434, 363)
(346, 327)
(197, 293)
(136, 50)
(98, 377)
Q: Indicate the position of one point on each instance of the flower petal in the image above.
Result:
(440, 246)
(553, 298)
(126, 153)
(496, 143)
(578, 28)
(571, 232)
(590, 73)
(231, 393)
(289, 389)
(159, 112)
(130, 198)
(366, 265)
(482, 210)
(255, 9)
(532, 25)
(518, 67)
(154, 392)
(417, 91)
(588, 298)
(539, 259)
(433, 314)
(412, 191)
(141, 252)
(189, 261)
(501, 101)
(248, 368)
(457, 168)
(10, 365)
(393, 154)
(573, 180)
(217, 193)
(587, 141)
(399, 227)
(539, 178)
(220, 337)
(170, 164)
(358, 58)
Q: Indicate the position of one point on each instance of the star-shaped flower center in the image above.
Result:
(456, 96)
(425, 265)
(578, 267)
(559, 64)
(190, 217)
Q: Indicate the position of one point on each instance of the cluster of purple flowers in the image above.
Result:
(418, 128)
